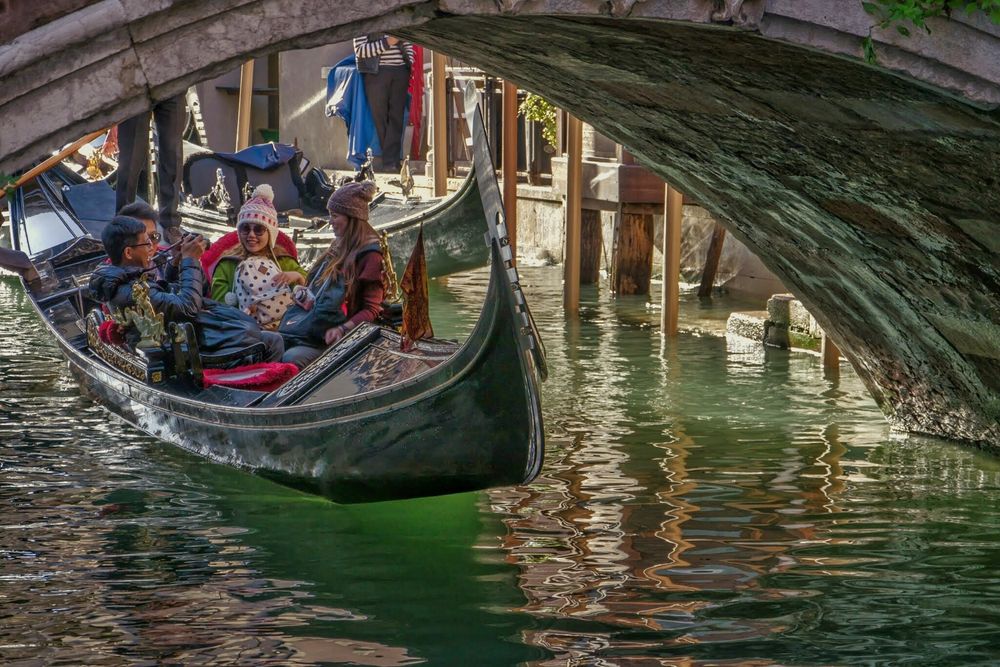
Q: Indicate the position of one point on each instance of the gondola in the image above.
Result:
(450, 226)
(365, 422)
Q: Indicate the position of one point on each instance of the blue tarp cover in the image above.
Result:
(346, 99)
(261, 156)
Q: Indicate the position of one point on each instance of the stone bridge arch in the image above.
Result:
(873, 192)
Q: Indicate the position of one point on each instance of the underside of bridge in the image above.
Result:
(874, 196)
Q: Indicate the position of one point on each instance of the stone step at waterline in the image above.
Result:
(786, 324)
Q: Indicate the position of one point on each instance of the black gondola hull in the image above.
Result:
(449, 432)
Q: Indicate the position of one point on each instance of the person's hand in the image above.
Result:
(289, 278)
(192, 246)
(393, 41)
(333, 334)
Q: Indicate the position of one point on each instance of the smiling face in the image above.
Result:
(139, 253)
(254, 237)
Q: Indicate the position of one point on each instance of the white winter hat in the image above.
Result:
(260, 209)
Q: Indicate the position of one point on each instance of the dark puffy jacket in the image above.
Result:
(113, 285)
(220, 328)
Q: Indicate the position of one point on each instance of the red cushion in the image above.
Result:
(110, 333)
(258, 377)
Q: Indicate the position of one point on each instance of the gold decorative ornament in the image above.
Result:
(142, 316)
(390, 280)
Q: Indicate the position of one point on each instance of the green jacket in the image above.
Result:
(224, 277)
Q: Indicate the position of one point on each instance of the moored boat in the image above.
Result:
(367, 421)
(450, 224)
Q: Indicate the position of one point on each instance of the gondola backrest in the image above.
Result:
(144, 365)
(178, 358)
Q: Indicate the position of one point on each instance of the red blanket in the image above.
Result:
(258, 377)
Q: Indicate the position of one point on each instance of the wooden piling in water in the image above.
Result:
(439, 106)
(574, 203)
(831, 354)
(670, 297)
(244, 106)
(633, 256)
(510, 163)
(712, 261)
(591, 246)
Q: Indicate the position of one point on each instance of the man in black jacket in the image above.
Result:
(220, 328)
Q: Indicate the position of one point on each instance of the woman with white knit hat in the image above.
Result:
(257, 274)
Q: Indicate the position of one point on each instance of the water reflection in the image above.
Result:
(703, 502)
(712, 510)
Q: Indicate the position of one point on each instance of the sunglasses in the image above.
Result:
(258, 230)
(155, 237)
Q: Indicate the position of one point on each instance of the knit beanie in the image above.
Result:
(352, 199)
(259, 209)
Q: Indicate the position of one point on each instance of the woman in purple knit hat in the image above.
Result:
(345, 287)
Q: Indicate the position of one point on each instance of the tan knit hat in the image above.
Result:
(352, 199)
(260, 209)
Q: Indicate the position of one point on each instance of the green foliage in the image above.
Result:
(537, 108)
(898, 13)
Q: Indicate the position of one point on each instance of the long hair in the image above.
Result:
(341, 257)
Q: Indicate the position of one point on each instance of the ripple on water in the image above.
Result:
(703, 501)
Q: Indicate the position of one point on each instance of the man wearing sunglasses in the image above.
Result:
(145, 214)
(220, 329)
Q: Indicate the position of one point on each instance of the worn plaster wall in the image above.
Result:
(303, 104)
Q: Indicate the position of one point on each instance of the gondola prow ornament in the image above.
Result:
(142, 316)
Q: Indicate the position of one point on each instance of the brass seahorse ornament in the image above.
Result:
(142, 316)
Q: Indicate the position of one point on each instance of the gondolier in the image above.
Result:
(169, 116)
(385, 62)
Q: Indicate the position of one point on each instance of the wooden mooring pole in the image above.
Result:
(574, 205)
(670, 296)
(831, 355)
(591, 246)
(633, 256)
(712, 261)
(510, 163)
(245, 107)
(439, 142)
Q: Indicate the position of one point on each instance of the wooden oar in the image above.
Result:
(51, 162)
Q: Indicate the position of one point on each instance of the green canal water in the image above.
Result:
(703, 502)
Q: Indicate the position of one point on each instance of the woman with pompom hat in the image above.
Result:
(347, 283)
(257, 273)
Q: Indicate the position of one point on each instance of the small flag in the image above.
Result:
(416, 313)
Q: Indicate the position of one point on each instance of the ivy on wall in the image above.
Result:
(537, 108)
(899, 13)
